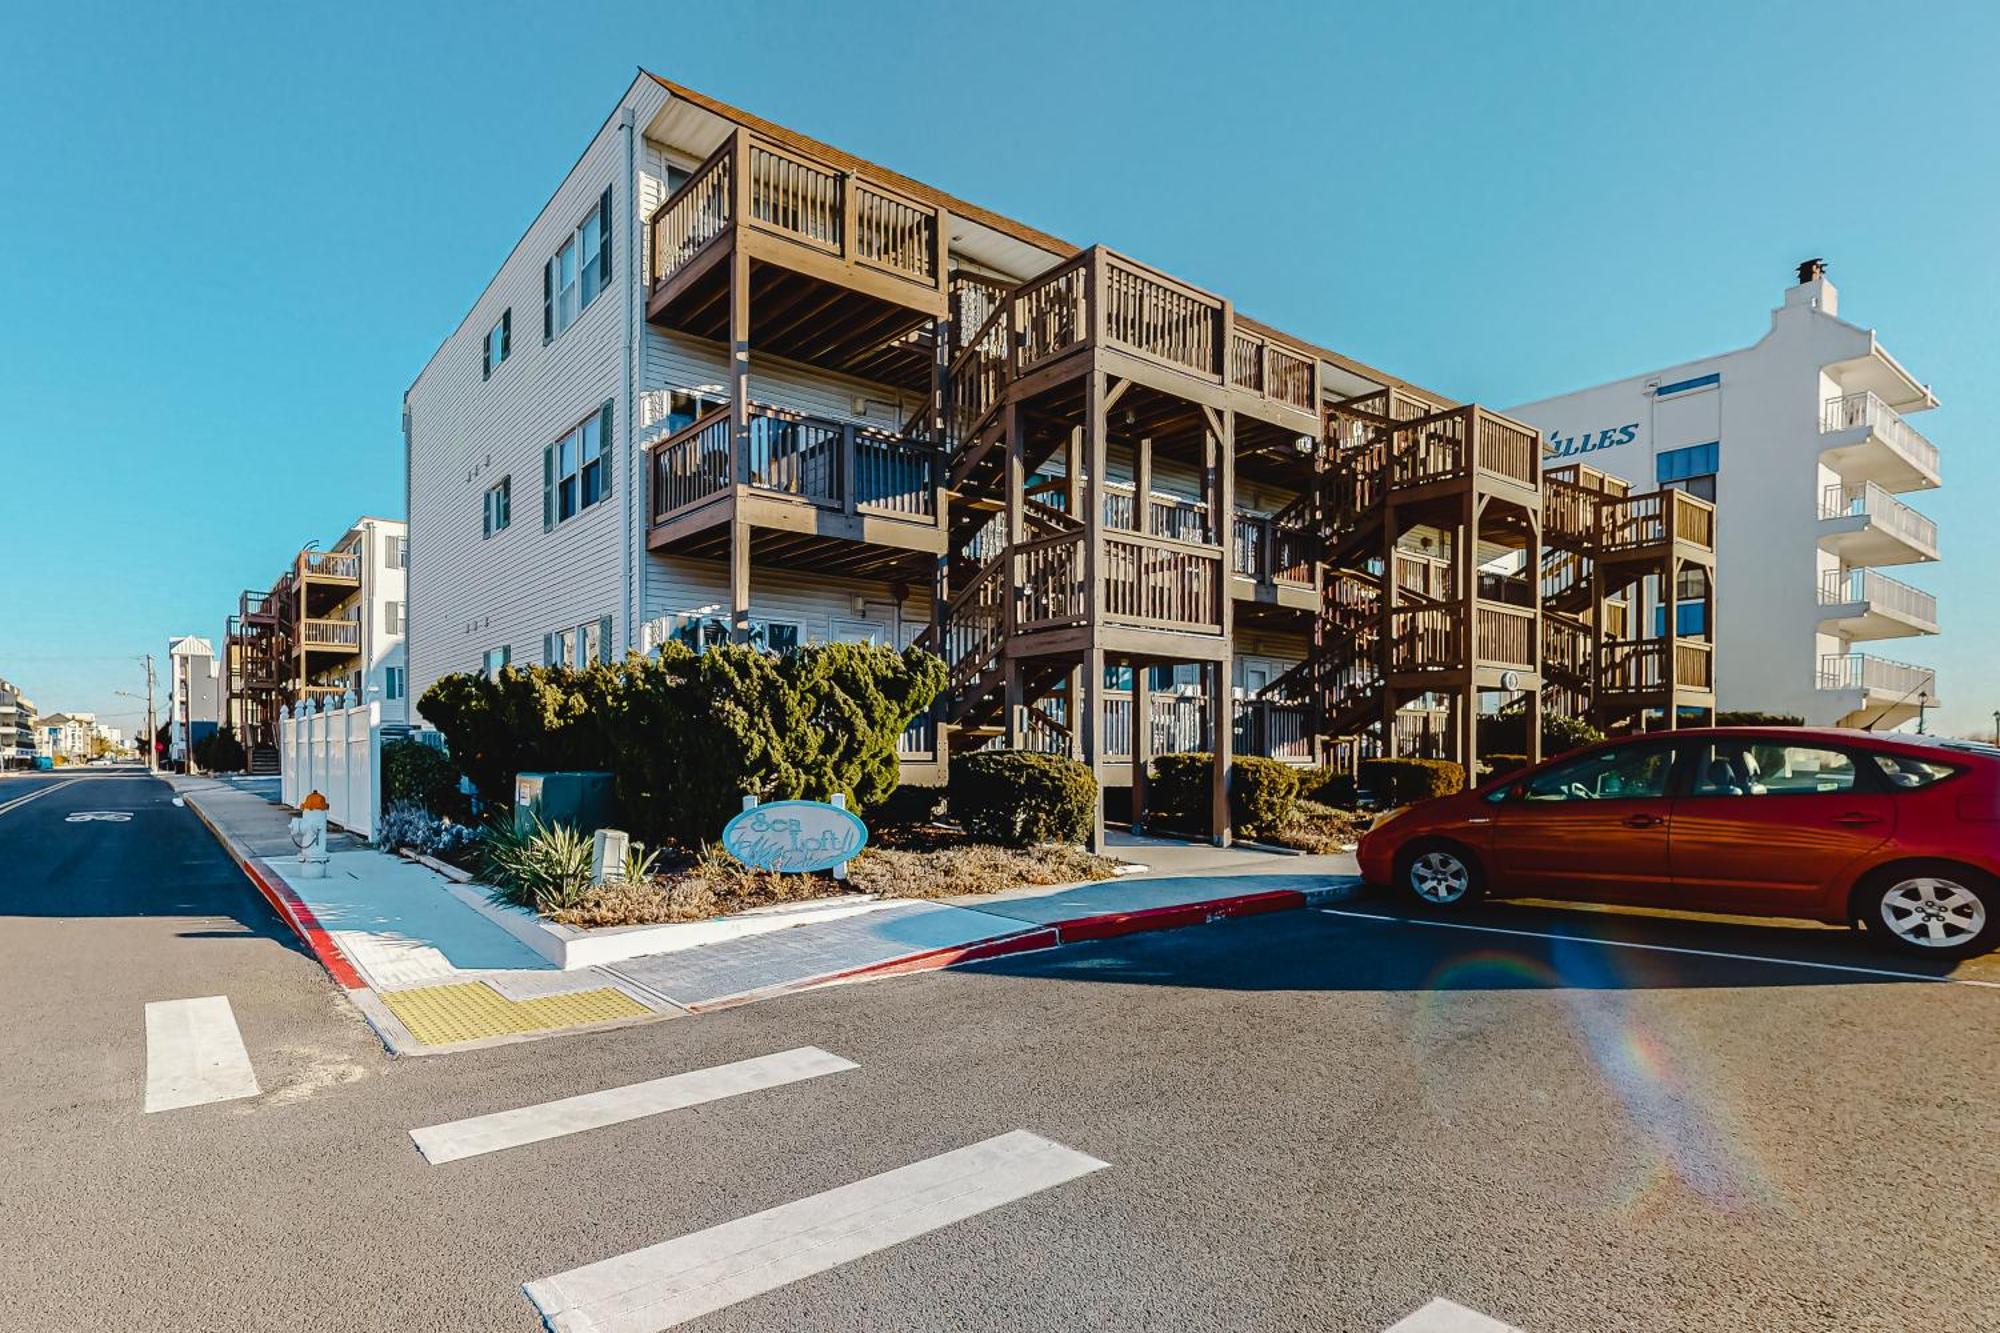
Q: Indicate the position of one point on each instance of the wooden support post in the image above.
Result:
(1015, 521)
(1015, 716)
(739, 363)
(1141, 746)
(739, 581)
(1534, 573)
(1142, 488)
(1221, 744)
(1670, 617)
(1086, 722)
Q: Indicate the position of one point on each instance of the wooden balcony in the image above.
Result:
(841, 268)
(327, 635)
(1429, 646)
(1635, 672)
(1615, 526)
(1272, 560)
(840, 497)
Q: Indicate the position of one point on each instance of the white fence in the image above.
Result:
(337, 752)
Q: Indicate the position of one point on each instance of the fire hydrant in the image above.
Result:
(309, 836)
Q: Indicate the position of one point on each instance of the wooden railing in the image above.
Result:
(344, 565)
(1271, 370)
(1048, 581)
(1694, 664)
(978, 374)
(330, 633)
(1640, 665)
(1050, 314)
(1272, 730)
(893, 475)
(692, 466)
(1425, 575)
(1656, 518)
(788, 194)
(1166, 515)
(1565, 648)
(1161, 583)
(1151, 314)
(1451, 444)
(1504, 635)
(1273, 549)
(1426, 638)
(975, 624)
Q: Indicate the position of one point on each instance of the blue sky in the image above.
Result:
(231, 234)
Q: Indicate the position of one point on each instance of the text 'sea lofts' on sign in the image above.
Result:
(795, 836)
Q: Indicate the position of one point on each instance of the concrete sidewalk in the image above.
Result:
(431, 971)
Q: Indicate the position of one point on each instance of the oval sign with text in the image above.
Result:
(795, 836)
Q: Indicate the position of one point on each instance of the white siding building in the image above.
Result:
(1800, 440)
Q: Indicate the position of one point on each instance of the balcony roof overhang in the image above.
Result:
(1882, 375)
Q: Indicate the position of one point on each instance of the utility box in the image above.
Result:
(580, 800)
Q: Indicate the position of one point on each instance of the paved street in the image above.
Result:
(1310, 1120)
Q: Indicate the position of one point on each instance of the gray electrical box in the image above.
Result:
(580, 800)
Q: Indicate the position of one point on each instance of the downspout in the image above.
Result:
(627, 122)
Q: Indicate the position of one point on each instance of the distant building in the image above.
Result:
(330, 628)
(1800, 442)
(193, 695)
(69, 737)
(17, 727)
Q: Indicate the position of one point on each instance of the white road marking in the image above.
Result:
(98, 817)
(194, 1054)
(594, 1110)
(678, 1280)
(1443, 1316)
(20, 801)
(1659, 948)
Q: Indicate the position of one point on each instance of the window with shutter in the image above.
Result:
(604, 638)
(604, 467)
(579, 271)
(548, 302)
(549, 488)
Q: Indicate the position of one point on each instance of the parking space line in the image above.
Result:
(1442, 1316)
(194, 1054)
(594, 1110)
(678, 1280)
(1658, 948)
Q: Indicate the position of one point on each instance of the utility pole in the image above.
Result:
(1996, 726)
(152, 731)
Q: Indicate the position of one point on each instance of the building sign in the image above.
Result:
(1590, 442)
(795, 836)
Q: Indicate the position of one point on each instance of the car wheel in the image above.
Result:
(1439, 875)
(1938, 911)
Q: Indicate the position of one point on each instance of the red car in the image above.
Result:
(1900, 834)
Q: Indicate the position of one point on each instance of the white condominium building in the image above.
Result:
(1801, 441)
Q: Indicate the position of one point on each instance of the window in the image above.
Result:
(499, 505)
(579, 647)
(576, 470)
(578, 271)
(686, 406)
(1623, 772)
(392, 617)
(1691, 469)
(776, 636)
(1907, 774)
(499, 342)
(1768, 768)
(392, 552)
(392, 682)
(496, 660)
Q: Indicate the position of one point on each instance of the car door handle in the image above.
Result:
(1643, 821)
(1854, 819)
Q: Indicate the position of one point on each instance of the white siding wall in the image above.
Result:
(468, 594)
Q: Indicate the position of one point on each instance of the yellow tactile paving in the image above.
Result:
(467, 1011)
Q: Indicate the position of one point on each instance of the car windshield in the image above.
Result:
(1621, 773)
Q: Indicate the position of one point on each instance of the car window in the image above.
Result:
(1768, 768)
(1625, 772)
(1907, 774)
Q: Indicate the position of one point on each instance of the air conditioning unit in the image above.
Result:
(580, 800)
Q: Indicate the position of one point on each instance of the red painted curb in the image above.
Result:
(291, 909)
(1109, 925)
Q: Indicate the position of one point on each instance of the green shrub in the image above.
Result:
(686, 736)
(1507, 733)
(1327, 786)
(1017, 798)
(1755, 719)
(909, 806)
(1399, 782)
(1500, 765)
(1261, 792)
(421, 775)
(544, 868)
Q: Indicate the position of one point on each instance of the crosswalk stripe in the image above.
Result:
(594, 1110)
(678, 1280)
(194, 1054)
(1443, 1316)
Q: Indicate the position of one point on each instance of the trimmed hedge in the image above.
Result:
(1328, 786)
(219, 751)
(1500, 765)
(1399, 782)
(421, 775)
(686, 736)
(1018, 798)
(1755, 719)
(909, 806)
(1507, 733)
(1262, 792)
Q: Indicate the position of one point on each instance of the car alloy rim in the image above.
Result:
(1439, 877)
(1932, 912)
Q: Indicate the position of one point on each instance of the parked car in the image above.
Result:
(1900, 834)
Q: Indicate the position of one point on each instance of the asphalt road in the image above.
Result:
(1311, 1120)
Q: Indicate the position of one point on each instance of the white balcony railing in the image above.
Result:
(1877, 676)
(1846, 587)
(1883, 510)
(1855, 410)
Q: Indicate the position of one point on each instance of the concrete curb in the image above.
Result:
(1053, 935)
(291, 909)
